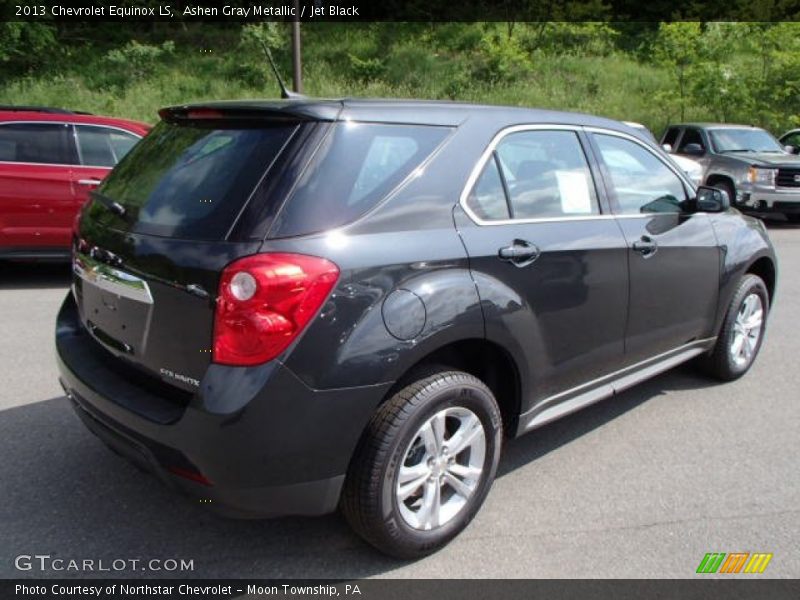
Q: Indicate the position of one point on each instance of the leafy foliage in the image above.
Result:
(648, 72)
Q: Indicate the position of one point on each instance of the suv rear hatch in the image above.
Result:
(152, 243)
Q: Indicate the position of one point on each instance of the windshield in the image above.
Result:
(189, 180)
(744, 140)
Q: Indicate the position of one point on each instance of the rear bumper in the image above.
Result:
(251, 442)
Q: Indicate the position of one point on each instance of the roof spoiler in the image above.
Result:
(291, 111)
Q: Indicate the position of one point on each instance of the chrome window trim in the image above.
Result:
(77, 148)
(479, 166)
(487, 153)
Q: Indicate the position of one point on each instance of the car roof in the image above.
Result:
(64, 116)
(424, 112)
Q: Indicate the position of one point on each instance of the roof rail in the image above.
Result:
(42, 109)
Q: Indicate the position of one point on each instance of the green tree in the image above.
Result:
(678, 47)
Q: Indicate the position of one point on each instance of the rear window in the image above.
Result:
(355, 168)
(190, 180)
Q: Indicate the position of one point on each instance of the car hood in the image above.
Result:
(768, 159)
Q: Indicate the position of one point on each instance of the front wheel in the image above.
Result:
(424, 465)
(742, 331)
(728, 189)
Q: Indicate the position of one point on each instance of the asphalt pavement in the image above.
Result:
(642, 485)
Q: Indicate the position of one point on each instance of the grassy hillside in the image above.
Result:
(590, 67)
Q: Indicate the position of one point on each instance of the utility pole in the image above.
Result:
(297, 67)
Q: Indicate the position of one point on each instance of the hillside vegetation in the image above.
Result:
(648, 72)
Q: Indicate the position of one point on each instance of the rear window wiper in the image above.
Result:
(112, 205)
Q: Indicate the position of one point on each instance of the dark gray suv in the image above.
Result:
(289, 307)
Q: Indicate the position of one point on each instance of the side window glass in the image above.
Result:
(121, 143)
(547, 174)
(44, 143)
(642, 182)
(671, 136)
(691, 136)
(94, 145)
(792, 140)
(487, 198)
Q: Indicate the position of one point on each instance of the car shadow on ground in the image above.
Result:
(33, 275)
(522, 451)
(67, 496)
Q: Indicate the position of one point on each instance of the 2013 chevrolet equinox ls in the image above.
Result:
(285, 307)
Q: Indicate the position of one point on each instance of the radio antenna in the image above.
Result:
(285, 93)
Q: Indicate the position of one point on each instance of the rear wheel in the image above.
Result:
(424, 465)
(742, 331)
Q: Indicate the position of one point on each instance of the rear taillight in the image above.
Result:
(264, 302)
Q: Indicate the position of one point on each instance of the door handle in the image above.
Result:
(646, 246)
(520, 253)
(94, 182)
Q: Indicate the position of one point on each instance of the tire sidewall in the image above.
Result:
(462, 394)
(751, 284)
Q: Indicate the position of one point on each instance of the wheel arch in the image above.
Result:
(764, 267)
(715, 178)
(484, 359)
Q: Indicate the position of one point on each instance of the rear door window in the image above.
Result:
(42, 143)
(537, 174)
(190, 180)
(103, 146)
(356, 167)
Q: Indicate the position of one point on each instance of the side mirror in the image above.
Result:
(693, 150)
(711, 199)
(792, 149)
(667, 147)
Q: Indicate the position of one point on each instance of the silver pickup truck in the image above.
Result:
(758, 173)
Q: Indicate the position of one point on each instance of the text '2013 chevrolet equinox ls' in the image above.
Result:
(285, 307)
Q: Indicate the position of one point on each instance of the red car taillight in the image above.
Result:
(264, 302)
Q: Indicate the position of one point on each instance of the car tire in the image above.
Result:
(407, 438)
(727, 187)
(793, 218)
(742, 331)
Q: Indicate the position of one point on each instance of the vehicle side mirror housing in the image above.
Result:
(667, 147)
(792, 149)
(712, 200)
(693, 150)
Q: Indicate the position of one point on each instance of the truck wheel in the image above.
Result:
(742, 331)
(424, 464)
(727, 187)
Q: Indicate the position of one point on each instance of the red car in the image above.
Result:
(50, 159)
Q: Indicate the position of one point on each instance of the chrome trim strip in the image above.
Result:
(478, 168)
(564, 403)
(111, 280)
